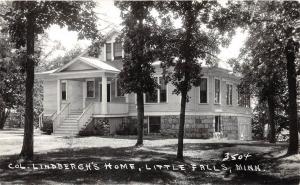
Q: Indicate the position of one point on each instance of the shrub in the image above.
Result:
(128, 128)
(47, 126)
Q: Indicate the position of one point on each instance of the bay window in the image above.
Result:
(228, 94)
(217, 91)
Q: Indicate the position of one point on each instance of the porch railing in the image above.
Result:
(41, 118)
(61, 116)
(85, 116)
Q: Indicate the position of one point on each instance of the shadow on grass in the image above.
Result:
(132, 137)
(131, 155)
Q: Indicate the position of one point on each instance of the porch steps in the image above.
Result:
(69, 126)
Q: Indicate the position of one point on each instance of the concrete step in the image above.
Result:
(67, 126)
(73, 116)
(70, 120)
(75, 113)
(65, 129)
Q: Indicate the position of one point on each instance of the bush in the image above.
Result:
(128, 128)
(47, 126)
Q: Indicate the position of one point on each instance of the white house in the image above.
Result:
(85, 92)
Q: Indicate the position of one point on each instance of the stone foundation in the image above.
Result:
(200, 126)
(195, 126)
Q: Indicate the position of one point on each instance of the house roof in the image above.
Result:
(99, 64)
(94, 62)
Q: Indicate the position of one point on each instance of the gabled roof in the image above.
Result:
(93, 62)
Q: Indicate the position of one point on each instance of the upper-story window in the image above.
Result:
(117, 50)
(228, 94)
(217, 91)
(162, 90)
(90, 88)
(108, 51)
(63, 90)
(160, 94)
(203, 90)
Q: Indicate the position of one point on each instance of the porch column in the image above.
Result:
(104, 95)
(58, 95)
(83, 94)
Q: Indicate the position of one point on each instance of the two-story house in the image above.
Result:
(86, 90)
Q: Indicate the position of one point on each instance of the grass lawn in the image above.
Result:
(114, 160)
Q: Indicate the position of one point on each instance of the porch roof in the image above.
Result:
(93, 62)
(93, 65)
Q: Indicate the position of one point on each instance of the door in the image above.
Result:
(75, 95)
(244, 131)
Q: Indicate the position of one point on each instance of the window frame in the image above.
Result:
(90, 80)
(158, 93)
(220, 92)
(114, 49)
(207, 91)
(65, 82)
(229, 101)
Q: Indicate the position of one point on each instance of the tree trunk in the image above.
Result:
(290, 52)
(3, 116)
(27, 149)
(181, 126)
(140, 118)
(271, 106)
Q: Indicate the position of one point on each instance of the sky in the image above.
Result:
(65, 40)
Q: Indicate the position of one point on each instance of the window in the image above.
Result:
(108, 92)
(159, 95)
(154, 124)
(243, 99)
(217, 91)
(64, 91)
(108, 51)
(203, 90)
(218, 124)
(90, 88)
(162, 90)
(228, 94)
(117, 51)
(119, 91)
(152, 98)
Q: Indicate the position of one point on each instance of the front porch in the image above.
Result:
(81, 99)
(85, 87)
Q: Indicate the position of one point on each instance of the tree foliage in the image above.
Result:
(137, 75)
(11, 83)
(27, 19)
(205, 26)
(270, 56)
